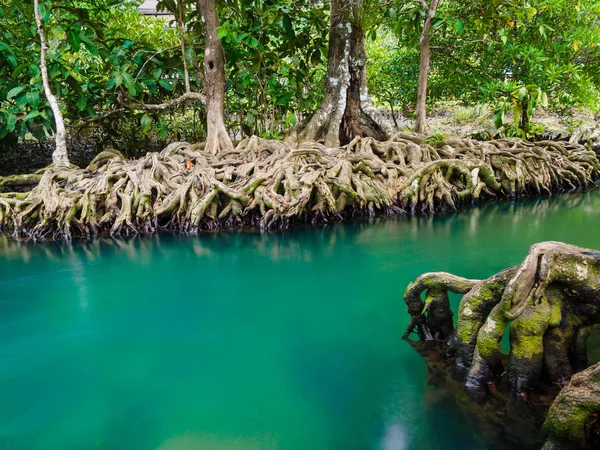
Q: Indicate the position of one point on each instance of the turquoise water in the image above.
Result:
(246, 341)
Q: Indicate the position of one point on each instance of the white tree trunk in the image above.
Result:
(60, 157)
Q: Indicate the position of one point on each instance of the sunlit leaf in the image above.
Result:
(14, 91)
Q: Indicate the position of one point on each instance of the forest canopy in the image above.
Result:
(105, 59)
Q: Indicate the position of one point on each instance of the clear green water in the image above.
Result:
(246, 341)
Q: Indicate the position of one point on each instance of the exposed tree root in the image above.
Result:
(25, 180)
(572, 421)
(550, 302)
(275, 184)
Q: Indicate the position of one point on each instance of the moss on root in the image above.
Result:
(550, 302)
(574, 413)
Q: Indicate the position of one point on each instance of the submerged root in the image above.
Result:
(550, 302)
(278, 184)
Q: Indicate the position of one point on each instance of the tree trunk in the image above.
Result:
(424, 45)
(346, 110)
(60, 156)
(217, 138)
(524, 115)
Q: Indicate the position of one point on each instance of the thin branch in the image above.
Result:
(97, 118)
(424, 4)
(186, 74)
(174, 102)
(156, 52)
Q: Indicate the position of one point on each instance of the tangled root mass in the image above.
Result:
(279, 184)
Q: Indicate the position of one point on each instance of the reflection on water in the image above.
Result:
(247, 340)
(524, 217)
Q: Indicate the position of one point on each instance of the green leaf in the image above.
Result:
(253, 43)
(128, 44)
(163, 130)
(11, 122)
(517, 110)
(166, 84)
(284, 99)
(12, 60)
(21, 100)
(89, 44)
(58, 32)
(129, 84)
(151, 85)
(460, 26)
(32, 115)
(289, 27)
(74, 40)
(222, 32)
(14, 91)
(146, 123)
(523, 93)
(33, 98)
(81, 102)
(498, 119)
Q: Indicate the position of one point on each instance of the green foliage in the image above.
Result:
(437, 138)
(477, 114)
(521, 101)
(392, 72)
(105, 57)
(90, 61)
(478, 46)
(276, 55)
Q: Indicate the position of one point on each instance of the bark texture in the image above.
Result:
(276, 185)
(425, 49)
(572, 422)
(217, 138)
(60, 156)
(346, 111)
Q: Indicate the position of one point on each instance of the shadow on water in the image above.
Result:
(500, 422)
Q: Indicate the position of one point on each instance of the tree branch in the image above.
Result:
(186, 74)
(174, 102)
(424, 4)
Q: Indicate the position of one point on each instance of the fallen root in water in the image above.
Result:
(277, 184)
(550, 302)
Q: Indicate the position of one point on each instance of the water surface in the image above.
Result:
(246, 341)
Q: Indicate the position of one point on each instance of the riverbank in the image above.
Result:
(276, 185)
